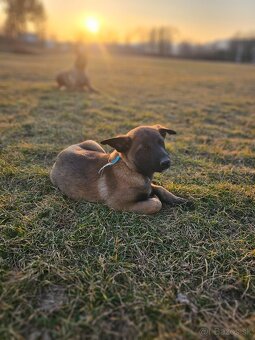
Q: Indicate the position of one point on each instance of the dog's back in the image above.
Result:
(76, 170)
(91, 145)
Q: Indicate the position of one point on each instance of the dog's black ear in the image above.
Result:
(163, 131)
(120, 143)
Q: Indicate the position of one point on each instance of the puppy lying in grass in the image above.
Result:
(121, 179)
(76, 79)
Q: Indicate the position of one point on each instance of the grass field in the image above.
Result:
(79, 270)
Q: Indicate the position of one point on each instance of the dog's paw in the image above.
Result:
(187, 204)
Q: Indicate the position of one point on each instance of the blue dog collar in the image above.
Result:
(114, 161)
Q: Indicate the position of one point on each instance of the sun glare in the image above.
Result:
(92, 24)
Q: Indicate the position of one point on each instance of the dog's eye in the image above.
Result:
(161, 142)
(146, 147)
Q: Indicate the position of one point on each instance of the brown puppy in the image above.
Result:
(76, 79)
(121, 179)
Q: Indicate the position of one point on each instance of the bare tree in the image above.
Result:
(153, 38)
(160, 40)
(19, 13)
(164, 41)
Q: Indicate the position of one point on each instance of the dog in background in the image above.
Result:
(76, 78)
(121, 179)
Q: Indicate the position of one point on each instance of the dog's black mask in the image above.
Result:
(144, 146)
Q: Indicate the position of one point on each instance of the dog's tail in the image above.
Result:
(92, 146)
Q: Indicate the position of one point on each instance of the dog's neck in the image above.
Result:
(127, 162)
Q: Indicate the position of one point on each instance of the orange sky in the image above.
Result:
(196, 20)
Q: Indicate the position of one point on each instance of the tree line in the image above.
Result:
(160, 41)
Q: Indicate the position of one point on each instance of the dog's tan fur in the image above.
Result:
(76, 78)
(121, 186)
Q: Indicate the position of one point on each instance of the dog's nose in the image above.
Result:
(165, 163)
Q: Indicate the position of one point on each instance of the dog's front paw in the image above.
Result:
(186, 203)
(180, 201)
(173, 200)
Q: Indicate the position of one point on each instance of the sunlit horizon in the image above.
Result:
(120, 21)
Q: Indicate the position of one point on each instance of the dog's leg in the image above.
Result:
(93, 90)
(148, 207)
(90, 87)
(166, 196)
(60, 80)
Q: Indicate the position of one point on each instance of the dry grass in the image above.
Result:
(80, 270)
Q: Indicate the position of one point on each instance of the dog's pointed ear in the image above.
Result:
(163, 131)
(120, 143)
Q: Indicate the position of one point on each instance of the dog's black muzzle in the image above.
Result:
(165, 163)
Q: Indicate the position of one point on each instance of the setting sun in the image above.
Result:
(92, 24)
